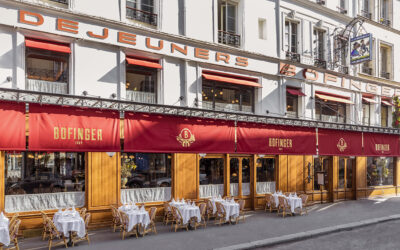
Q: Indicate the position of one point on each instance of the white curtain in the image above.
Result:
(245, 188)
(265, 187)
(234, 188)
(211, 190)
(46, 86)
(139, 195)
(45, 201)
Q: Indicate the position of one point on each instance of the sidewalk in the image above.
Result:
(258, 226)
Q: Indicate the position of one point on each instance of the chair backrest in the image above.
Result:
(13, 218)
(14, 229)
(82, 212)
(282, 201)
(177, 213)
(241, 204)
(286, 193)
(52, 228)
(124, 219)
(304, 198)
(268, 197)
(210, 206)
(152, 214)
(44, 217)
(167, 207)
(202, 207)
(220, 208)
(87, 219)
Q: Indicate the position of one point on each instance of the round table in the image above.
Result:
(68, 222)
(232, 210)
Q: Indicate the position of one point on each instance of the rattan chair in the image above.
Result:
(210, 210)
(152, 225)
(270, 203)
(46, 231)
(241, 211)
(13, 219)
(178, 220)
(203, 211)
(168, 216)
(304, 204)
(14, 234)
(125, 225)
(82, 212)
(116, 218)
(55, 234)
(220, 215)
(283, 207)
(76, 239)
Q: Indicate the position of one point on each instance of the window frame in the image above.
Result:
(288, 36)
(320, 102)
(296, 101)
(223, 23)
(384, 107)
(319, 50)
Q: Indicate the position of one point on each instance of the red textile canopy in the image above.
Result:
(231, 79)
(57, 128)
(339, 142)
(381, 144)
(143, 62)
(12, 126)
(47, 45)
(161, 133)
(295, 92)
(274, 139)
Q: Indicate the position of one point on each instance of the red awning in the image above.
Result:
(161, 133)
(386, 103)
(254, 138)
(47, 45)
(230, 79)
(295, 92)
(369, 100)
(381, 144)
(12, 126)
(339, 142)
(57, 128)
(333, 98)
(143, 62)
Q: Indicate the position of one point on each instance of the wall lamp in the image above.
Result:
(202, 155)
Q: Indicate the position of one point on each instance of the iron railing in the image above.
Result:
(366, 14)
(60, 1)
(385, 75)
(343, 69)
(386, 22)
(294, 57)
(366, 70)
(142, 16)
(320, 63)
(228, 38)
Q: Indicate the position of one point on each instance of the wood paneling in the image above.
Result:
(361, 177)
(282, 173)
(186, 176)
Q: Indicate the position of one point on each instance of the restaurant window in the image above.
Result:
(234, 177)
(291, 37)
(145, 177)
(345, 176)
(329, 111)
(379, 171)
(211, 177)
(265, 175)
(321, 165)
(41, 181)
(384, 115)
(47, 71)
(227, 97)
(142, 11)
(141, 84)
(246, 176)
(239, 167)
(227, 23)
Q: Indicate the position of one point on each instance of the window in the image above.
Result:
(141, 84)
(227, 97)
(239, 166)
(379, 171)
(384, 12)
(145, 177)
(366, 107)
(319, 44)
(141, 10)
(265, 175)
(292, 102)
(34, 180)
(227, 23)
(234, 176)
(291, 37)
(60, 1)
(345, 176)
(384, 115)
(366, 9)
(321, 165)
(342, 6)
(262, 29)
(47, 71)
(385, 61)
(330, 111)
(211, 177)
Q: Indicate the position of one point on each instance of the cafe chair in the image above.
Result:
(14, 234)
(13, 219)
(220, 215)
(284, 207)
(82, 212)
(203, 222)
(270, 203)
(76, 239)
(178, 220)
(46, 231)
(152, 225)
(210, 210)
(125, 225)
(304, 204)
(116, 218)
(55, 235)
(241, 211)
(168, 216)
(286, 193)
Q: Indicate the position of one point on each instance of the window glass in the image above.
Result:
(366, 113)
(379, 171)
(349, 172)
(291, 104)
(319, 44)
(141, 84)
(321, 165)
(342, 166)
(211, 171)
(266, 170)
(227, 20)
(234, 170)
(384, 116)
(245, 170)
(330, 111)
(293, 39)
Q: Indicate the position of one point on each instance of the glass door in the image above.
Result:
(239, 176)
(346, 178)
(323, 166)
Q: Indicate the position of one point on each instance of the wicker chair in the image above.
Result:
(152, 225)
(125, 225)
(286, 193)
(13, 219)
(168, 216)
(210, 210)
(178, 220)
(304, 200)
(116, 218)
(82, 212)
(46, 230)
(284, 206)
(203, 222)
(270, 203)
(241, 210)
(14, 234)
(55, 234)
(220, 215)
(75, 237)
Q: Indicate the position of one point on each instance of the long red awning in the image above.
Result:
(143, 62)
(12, 126)
(232, 80)
(162, 133)
(333, 98)
(295, 92)
(339, 142)
(381, 144)
(47, 45)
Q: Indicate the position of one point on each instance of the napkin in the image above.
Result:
(173, 200)
(142, 209)
(193, 204)
(2, 216)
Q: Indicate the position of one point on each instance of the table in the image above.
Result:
(188, 212)
(232, 209)
(293, 201)
(4, 231)
(69, 221)
(136, 217)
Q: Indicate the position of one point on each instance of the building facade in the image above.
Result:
(195, 99)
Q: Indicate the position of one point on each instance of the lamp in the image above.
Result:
(202, 155)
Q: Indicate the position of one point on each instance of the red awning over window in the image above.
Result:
(143, 62)
(57, 128)
(386, 102)
(381, 144)
(12, 126)
(231, 79)
(340, 99)
(255, 138)
(339, 142)
(161, 133)
(47, 45)
(295, 92)
(369, 100)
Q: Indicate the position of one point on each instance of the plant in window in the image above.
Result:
(396, 112)
(126, 172)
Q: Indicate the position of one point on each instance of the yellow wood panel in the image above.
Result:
(295, 173)
(283, 173)
(361, 177)
(186, 182)
(2, 184)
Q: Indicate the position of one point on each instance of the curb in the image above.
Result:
(309, 234)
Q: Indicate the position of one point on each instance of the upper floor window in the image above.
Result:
(342, 6)
(47, 66)
(319, 48)
(227, 23)
(292, 101)
(141, 10)
(331, 108)
(386, 107)
(384, 18)
(291, 39)
(366, 8)
(385, 61)
(367, 101)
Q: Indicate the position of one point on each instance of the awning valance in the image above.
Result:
(333, 98)
(143, 62)
(369, 100)
(381, 144)
(47, 45)
(12, 126)
(295, 92)
(386, 102)
(339, 142)
(231, 79)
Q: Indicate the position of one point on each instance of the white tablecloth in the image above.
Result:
(294, 202)
(188, 212)
(213, 203)
(4, 233)
(66, 222)
(231, 209)
(126, 208)
(137, 216)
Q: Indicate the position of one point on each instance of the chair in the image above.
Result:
(304, 199)
(152, 225)
(286, 193)
(46, 230)
(13, 219)
(14, 234)
(220, 215)
(284, 206)
(125, 225)
(82, 212)
(75, 237)
(210, 209)
(116, 218)
(203, 222)
(55, 234)
(270, 203)
(241, 210)
(178, 220)
(168, 216)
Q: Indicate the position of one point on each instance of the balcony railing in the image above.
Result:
(321, 2)
(294, 57)
(366, 14)
(385, 75)
(366, 70)
(386, 22)
(229, 107)
(343, 69)
(342, 10)
(142, 16)
(320, 63)
(60, 1)
(46, 86)
(228, 38)
(139, 96)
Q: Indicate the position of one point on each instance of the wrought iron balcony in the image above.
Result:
(385, 75)
(366, 70)
(321, 2)
(141, 16)
(342, 10)
(320, 63)
(343, 69)
(60, 1)
(366, 14)
(228, 38)
(386, 22)
(294, 57)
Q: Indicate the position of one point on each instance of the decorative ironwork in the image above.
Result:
(321, 2)
(320, 63)
(294, 57)
(385, 75)
(366, 14)
(343, 69)
(386, 22)
(366, 70)
(142, 16)
(60, 1)
(228, 38)
(342, 10)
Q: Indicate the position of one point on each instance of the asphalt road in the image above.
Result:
(379, 236)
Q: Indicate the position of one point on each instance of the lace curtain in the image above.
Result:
(234, 188)
(265, 187)
(48, 87)
(139, 195)
(212, 190)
